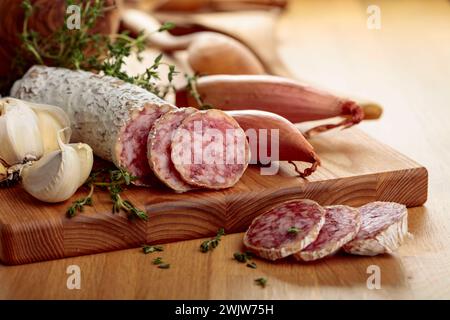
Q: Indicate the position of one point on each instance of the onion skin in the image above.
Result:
(48, 16)
(205, 5)
(292, 144)
(290, 99)
(213, 53)
(208, 52)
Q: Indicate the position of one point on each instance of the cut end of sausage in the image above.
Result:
(285, 229)
(133, 143)
(159, 148)
(209, 149)
(384, 226)
(342, 223)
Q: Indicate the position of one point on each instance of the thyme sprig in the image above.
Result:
(193, 91)
(78, 205)
(83, 49)
(112, 180)
(209, 245)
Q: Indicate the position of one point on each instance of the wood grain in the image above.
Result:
(355, 171)
(405, 67)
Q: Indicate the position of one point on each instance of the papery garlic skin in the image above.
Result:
(51, 119)
(57, 175)
(86, 158)
(3, 172)
(54, 177)
(20, 137)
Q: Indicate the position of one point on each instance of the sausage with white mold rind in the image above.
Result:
(112, 116)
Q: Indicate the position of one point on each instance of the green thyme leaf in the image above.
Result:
(150, 249)
(293, 230)
(261, 282)
(166, 26)
(242, 256)
(209, 245)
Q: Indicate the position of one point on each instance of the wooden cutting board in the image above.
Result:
(356, 169)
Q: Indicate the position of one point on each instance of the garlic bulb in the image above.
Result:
(20, 137)
(51, 120)
(58, 174)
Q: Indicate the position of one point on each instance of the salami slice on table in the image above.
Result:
(383, 228)
(285, 229)
(342, 223)
(158, 148)
(112, 116)
(209, 149)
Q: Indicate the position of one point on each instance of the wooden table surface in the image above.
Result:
(406, 67)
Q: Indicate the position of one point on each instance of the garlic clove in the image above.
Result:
(20, 137)
(3, 172)
(58, 174)
(86, 158)
(54, 177)
(51, 119)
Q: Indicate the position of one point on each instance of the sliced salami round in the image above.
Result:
(342, 223)
(383, 228)
(285, 229)
(209, 149)
(158, 148)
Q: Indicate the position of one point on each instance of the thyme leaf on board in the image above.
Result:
(242, 257)
(164, 266)
(262, 282)
(211, 244)
(160, 263)
(150, 249)
(114, 181)
(252, 265)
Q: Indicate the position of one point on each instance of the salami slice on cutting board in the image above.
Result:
(285, 229)
(383, 228)
(159, 148)
(342, 223)
(209, 149)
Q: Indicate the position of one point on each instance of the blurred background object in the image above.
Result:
(48, 16)
(209, 5)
